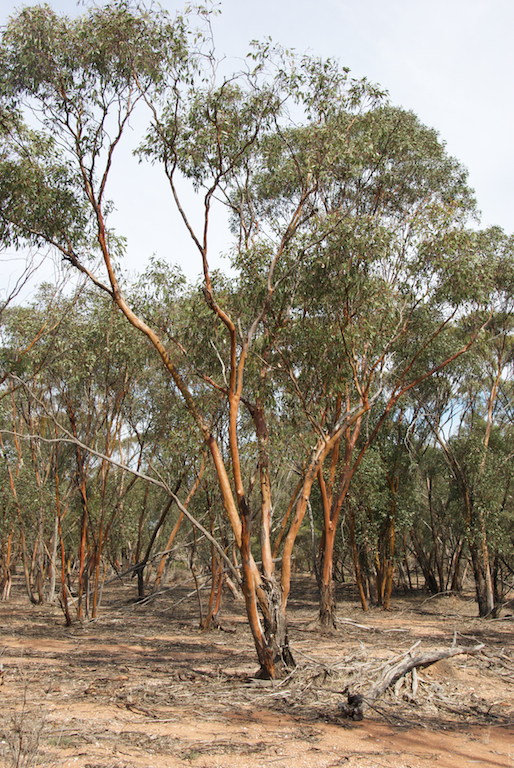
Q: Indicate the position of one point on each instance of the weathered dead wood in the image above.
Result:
(357, 703)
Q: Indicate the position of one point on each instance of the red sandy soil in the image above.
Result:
(143, 687)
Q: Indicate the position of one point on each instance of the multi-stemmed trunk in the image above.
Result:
(332, 505)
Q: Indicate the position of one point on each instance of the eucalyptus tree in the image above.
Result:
(84, 79)
(437, 537)
(348, 240)
(482, 493)
(358, 208)
(398, 449)
(26, 461)
(385, 264)
(466, 412)
(79, 376)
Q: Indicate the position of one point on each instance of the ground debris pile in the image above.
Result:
(143, 685)
(393, 674)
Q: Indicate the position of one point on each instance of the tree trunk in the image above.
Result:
(82, 553)
(425, 564)
(315, 569)
(275, 628)
(456, 581)
(477, 542)
(26, 571)
(389, 567)
(332, 511)
(498, 590)
(356, 563)
(6, 579)
(264, 596)
(53, 561)
(327, 604)
(327, 598)
(483, 580)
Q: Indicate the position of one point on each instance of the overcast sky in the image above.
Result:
(450, 61)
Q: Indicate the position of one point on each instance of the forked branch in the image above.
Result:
(357, 703)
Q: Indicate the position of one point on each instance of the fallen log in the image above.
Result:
(357, 703)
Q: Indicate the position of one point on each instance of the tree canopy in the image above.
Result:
(359, 277)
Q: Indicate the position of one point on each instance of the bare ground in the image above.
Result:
(143, 687)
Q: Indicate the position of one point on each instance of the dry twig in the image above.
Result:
(357, 703)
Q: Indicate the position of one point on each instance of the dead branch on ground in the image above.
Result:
(357, 703)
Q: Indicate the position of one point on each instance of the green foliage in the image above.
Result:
(93, 59)
(81, 79)
(356, 279)
(38, 192)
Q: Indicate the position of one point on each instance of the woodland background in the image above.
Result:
(339, 401)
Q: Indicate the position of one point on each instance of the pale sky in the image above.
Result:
(450, 61)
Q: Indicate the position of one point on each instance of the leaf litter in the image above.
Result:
(142, 686)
